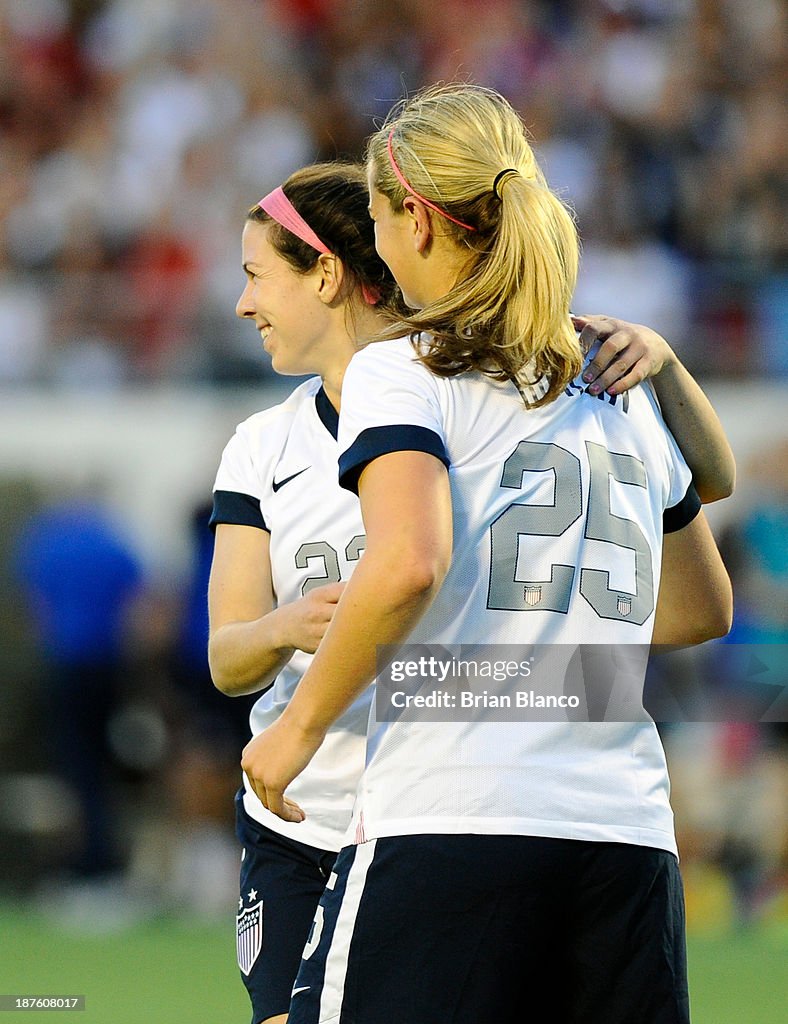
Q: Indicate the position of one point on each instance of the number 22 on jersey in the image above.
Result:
(329, 571)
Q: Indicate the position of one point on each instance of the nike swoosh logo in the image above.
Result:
(304, 988)
(280, 483)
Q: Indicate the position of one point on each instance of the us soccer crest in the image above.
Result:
(532, 594)
(624, 604)
(249, 936)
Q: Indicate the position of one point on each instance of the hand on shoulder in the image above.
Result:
(629, 353)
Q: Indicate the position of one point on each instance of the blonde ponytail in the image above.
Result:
(466, 150)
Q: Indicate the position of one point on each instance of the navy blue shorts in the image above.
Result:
(282, 881)
(483, 929)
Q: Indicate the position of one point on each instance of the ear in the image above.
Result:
(332, 274)
(420, 222)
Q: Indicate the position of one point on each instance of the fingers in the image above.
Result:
(615, 359)
(330, 592)
(273, 799)
(626, 381)
(615, 335)
(588, 336)
(627, 355)
(265, 765)
(608, 368)
(278, 804)
(312, 614)
(597, 325)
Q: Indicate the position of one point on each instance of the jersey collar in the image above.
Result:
(327, 413)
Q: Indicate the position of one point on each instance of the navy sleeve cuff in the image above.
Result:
(681, 515)
(236, 509)
(376, 441)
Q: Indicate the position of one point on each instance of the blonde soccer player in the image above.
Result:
(499, 869)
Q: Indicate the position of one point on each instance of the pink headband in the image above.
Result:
(277, 205)
(403, 181)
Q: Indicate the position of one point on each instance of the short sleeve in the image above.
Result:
(683, 512)
(390, 403)
(236, 493)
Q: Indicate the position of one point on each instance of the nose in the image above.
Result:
(243, 306)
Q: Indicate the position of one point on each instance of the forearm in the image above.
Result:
(246, 657)
(697, 429)
(381, 605)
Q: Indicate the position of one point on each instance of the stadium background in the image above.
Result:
(133, 136)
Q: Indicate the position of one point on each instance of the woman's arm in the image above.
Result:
(628, 355)
(406, 504)
(251, 640)
(695, 601)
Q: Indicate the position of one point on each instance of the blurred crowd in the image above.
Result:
(134, 134)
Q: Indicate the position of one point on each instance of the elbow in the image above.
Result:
(718, 618)
(222, 680)
(219, 675)
(710, 630)
(224, 686)
(421, 581)
(435, 569)
(710, 618)
(723, 622)
(723, 618)
(416, 580)
(721, 487)
(236, 685)
(717, 491)
(227, 680)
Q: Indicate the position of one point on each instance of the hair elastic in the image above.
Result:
(403, 181)
(277, 205)
(371, 294)
(499, 176)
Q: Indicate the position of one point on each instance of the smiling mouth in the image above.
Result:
(265, 330)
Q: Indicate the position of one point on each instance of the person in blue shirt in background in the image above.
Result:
(80, 576)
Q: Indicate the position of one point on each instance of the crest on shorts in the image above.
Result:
(249, 936)
(624, 604)
(532, 594)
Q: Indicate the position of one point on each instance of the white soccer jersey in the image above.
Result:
(558, 523)
(279, 473)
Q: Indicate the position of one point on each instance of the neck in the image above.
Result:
(333, 389)
(365, 325)
(443, 265)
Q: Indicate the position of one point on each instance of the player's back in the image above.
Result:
(557, 516)
(557, 539)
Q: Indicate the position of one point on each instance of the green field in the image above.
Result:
(172, 971)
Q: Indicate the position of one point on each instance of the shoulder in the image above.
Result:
(277, 421)
(258, 442)
(388, 361)
(263, 435)
(394, 350)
